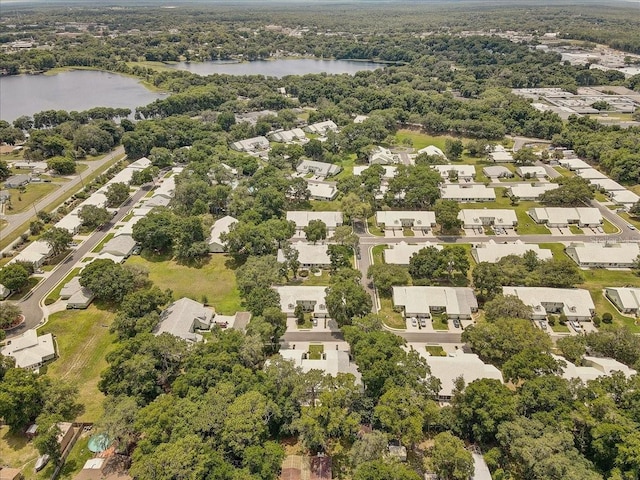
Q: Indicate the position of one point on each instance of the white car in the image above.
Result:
(414, 322)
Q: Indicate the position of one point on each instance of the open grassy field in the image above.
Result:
(325, 205)
(557, 249)
(214, 279)
(83, 341)
(420, 140)
(34, 192)
(55, 293)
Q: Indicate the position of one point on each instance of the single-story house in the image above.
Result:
(166, 188)
(574, 163)
(109, 256)
(322, 190)
(36, 252)
(527, 191)
(492, 252)
(112, 468)
(309, 255)
(563, 217)
(158, 201)
(432, 150)
(29, 350)
(591, 174)
(604, 255)
(488, 217)
(531, 172)
(332, 362)
(69, 288)
(389, 171)
(575, 303)
(397, 219)
(287, 136)
(606, 184)
(96, 199)
(222, 225)
(312, 300)
(251, 144)
(382, 156)
(626, 299)
(500, 155)
(421, 302)
(17, 181)
(140, 164)
(123, 176)
(321, 128)
(321, 169)
(497, 171)
(465, 172)
(252, 117)
(80, 299)
(592, 368)
(120, 245)
(37, 167)
(360, 118)
(401, 253)
(183, 317)
(71, 222)
(302, 218)
(467, 193)
(625, 198)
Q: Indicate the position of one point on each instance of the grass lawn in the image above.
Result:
(576, 230)
(565, 172)
(325, 205)
(609, 227)
(378, 256)
(214, 279)
(33, 193)
(32, 282)
(306, 323)
(420, 140)
(557, 249)
(601, 197)
(629, 219)
(389, 317)
(55, 293)
(436, 350)
(313, 280)
(440, 322)
(557, 328)
(83, 341)
(99, 246)
(315, 352)
(408, 232)
(17, 452)
(373, 227)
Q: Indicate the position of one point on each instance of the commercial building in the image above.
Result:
(302, 218)
(575, 303)
(467, 193)
(464, 172)
(398, 219)
(312, 300)
(492, 252)
(497, 171)
(251, 144)
(487, 217)
(183, 318)
(309, 255)
(222, 225)
(603, 255)
(331, 362)
(401, 253)
(29, 350)
(563, 217)
(421, 302)
(625, 299)
(527, 191)
(320, 169)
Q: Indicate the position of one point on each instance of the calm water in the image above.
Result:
(277, 68)
(75, 90)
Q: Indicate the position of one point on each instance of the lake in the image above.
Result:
(74, 90)
(277, 68)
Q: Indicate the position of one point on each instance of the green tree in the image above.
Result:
(455, 261)
(246, 422)
(47, 440)
(400, 411)
(426, 264)
(62, 165)
(344, 236)
(346, 300)
(453, 149)
(487, 278)
(21, 397)
(573, 191)
(155, 231)
(116, 194)
(573, 348)
(447, 215)
(379, 470)
(108, 280)
(506, 306)
(528, 364)
(368, 448)
(315, 230)
(265, 461)
(387, 276)
(557, 273)
(9, 313)
(58, 240)
(353, 208)
(525, 156)
(14, 277)
(93, 216)
(450, 460)
(5, 171)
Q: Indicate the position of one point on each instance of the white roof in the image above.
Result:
(254, 143)
(70, 222)
(29, 350)
(629, 297)
(71, 287)
(302, 218)
(289, 135)
(123, 176)
(389, 170)
(120, 245)
(606, 253)
(625, 197)
(290, 296)
(574, 163)
(157, 201)
(562, 215)
(464, 171)
(140, 164)
(497, 171)
(166, 188)
(575, 301)
(590, 173)
(382, 155)
(608, 365)
(532, 171)
(460, 364)
(4, 292)
(324, 190)
(464, 192)
(392, 218)
(35, 252)
(526, 190)
(360, 118)
(419, 300)
(322, 127)
(97, 199)
(432, 150)
(309, 254)
(606, 184)
(109, 256)
(319, 168)
(497, 216)
(222, 225)
(401, 253)
(593, 368)
(183, 317)
(492, 252)
(94, 464)
(334, 362)
(499, 154)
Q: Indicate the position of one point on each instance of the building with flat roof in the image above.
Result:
(531, 171)
(140, 164)
(399, 219)
(309, 255)
(332, 362)
(183, 318)
(527, 191)
(467, 193)
(321, 169)
(70, 222)
(603, 255)
(492, 252)
(574, 163)
(500, 155)
(29, 350)
(382, 156)
(288, 136)
(302, 218)
(421, 302)
(625, 299)
(497, 171)
(312, 300)
(322, 190)
(606, 184)
(432, 150)
(401, 253)
(575, 303)
(222, 225)
(321, 128)
(624, 198)
(465, 172)
(487, 217)
(251, 144)
(565, 216)
(590, 174)
(389, 171)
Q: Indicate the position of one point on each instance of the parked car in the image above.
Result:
(414, 322)
(456, 323)
(543, 324)
(576, 326)
(423, 323)
(314, 321)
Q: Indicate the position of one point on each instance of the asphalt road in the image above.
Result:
(14, 221)
(31, 304)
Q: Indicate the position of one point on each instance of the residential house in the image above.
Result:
(467, 193)
(17, 181)
(592, 368)
(302, 219)
(288, 136)
(492, 252)
(624, 198)
(254, 144)
(309, 255)
(98, 468)
(497, 171)
(388, 174)
(312, 300)
(140, 164)
(603, 255)
(222, 225)
(70, 222)
(252, 117)
(565, 216)
(29, 350)
(575, 303)
(320, 169)
(183, 318)
(382, 156)
(528, 191)
(500, 155)
(487, 217)
(398, 220)
(591, 174)
(464, 172)
(322, 190)
(36, 253)
(432, 150)
(321, 128)
(332, 362)
(574, 164)
(625, 299)
(401, 253)
(606, 184)
(422, 302)
(531, 172)
(120, 246)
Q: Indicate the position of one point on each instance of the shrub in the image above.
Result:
(551, 319)
(607, 317)
(563, 319)
(596, 320)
